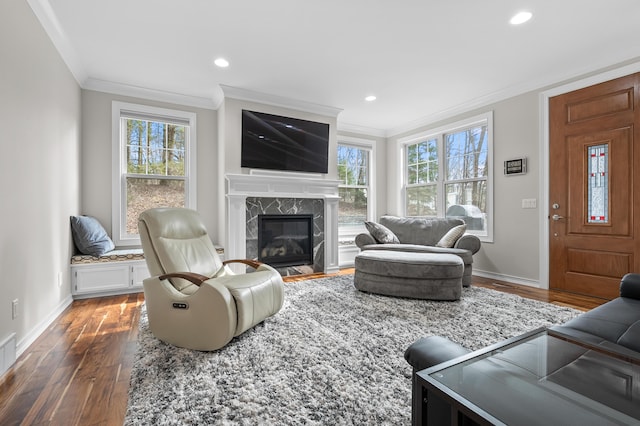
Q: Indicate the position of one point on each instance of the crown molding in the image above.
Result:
(361, 130)
(49, 21)
(447, 113)
(150, 94)
(513, 91)
(279, 101)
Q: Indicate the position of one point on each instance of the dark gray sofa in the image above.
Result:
(614, 325)
(421, 235)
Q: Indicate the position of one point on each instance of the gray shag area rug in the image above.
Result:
(332, 355)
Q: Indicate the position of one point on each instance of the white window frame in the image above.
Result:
(119, 166)
(438, 134)
(348, 233)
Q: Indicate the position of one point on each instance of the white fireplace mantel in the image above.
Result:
(280, 185)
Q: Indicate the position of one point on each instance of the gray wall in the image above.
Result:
(514, 252)
(516, 134)
(96, 156)
(40, 114)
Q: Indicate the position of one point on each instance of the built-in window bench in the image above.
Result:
(115, 272)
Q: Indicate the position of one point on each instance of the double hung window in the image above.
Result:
(354, 173)
(153, 165)
(447, 173)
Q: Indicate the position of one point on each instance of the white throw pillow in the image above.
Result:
(452, 236)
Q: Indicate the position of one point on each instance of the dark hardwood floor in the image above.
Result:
(77, 372)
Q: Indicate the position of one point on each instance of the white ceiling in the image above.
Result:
(421, 58)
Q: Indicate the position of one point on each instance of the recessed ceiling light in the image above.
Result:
(221, 62)
(520, 18)
(370, 98)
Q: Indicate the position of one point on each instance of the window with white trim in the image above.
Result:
(153, 157)
(355, 191)
(447, 173)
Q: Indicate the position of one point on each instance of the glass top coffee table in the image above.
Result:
(540, 378)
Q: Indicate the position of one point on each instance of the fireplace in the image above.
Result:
(285, 240)
(249, 195)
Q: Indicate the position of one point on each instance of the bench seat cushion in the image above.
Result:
(112, 256)
(118, 255)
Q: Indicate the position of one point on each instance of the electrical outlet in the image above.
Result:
(59, 279)
(14, 309)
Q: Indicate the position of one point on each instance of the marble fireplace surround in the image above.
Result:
(289, 187)
(257, 206)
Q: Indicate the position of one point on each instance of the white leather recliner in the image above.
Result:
(193, 300)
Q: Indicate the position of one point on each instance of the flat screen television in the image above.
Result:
(282, 143)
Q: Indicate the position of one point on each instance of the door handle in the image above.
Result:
(557, 217)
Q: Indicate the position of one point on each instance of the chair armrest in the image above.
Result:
(630, 286)
(364, 239)
(468, 242)
(253, 263)
(192, 277)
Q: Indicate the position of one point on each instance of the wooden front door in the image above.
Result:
(594, 170)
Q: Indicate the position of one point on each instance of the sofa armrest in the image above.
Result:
(468, 242)
(630, 286)
(364, 239)
(429, 351)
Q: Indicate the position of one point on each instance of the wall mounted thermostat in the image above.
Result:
(517, 166)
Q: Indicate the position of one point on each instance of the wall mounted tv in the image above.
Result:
(282, 143)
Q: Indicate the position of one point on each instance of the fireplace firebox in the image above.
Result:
(285, 240)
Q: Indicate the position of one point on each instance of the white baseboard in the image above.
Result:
(347, 256)
(7, 353)
(35, 332)
(508, 278)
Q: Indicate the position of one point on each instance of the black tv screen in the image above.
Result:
(282, 143)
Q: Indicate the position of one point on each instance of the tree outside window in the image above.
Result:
(447, 174)
(353, 172)
(153, 164)
(422, 178)
(155, 177)
(466, 162)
